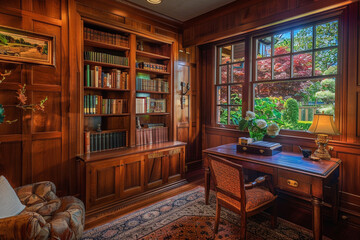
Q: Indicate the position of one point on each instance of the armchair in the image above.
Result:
(46, 216)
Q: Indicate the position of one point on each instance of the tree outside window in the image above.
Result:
(294, 75)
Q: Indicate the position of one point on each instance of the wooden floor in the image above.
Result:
(299, 213)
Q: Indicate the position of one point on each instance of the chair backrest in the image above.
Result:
(228, 178)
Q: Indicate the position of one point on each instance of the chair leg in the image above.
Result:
(243, 226)
(217, 216)
(274, 215)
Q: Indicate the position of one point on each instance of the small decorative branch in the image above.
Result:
(4, 75)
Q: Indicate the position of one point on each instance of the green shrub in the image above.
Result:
(291, 112)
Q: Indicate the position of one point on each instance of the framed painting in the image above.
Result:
(24, 46)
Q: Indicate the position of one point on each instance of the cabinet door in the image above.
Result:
(155, 169)
(132, 175)
(103, 182)
(176, 164)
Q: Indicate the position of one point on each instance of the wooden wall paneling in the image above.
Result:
(48, 8)
(11, 162)
(239, 17)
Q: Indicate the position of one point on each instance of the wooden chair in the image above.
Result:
(233, 194)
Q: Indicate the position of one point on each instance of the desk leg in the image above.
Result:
(317, 221)
(207, 185)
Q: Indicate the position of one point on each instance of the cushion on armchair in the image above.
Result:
(10, 204)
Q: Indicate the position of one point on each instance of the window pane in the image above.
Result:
(282, 67)
(225, 54)
(303, 39)
(263, 47)
(327, 34)
(326, 62)
(263, 69)
(282, 43)
(302, 65)
(222, 95)
(223, 74)
(222, 116)
(236, 95)
(292, 104)
(238, 72)
(235, 115)
(239, 52)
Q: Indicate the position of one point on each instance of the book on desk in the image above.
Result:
(261, 147)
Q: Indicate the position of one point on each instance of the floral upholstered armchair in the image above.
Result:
(45, 216)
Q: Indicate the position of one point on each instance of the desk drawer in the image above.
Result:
(294, 182)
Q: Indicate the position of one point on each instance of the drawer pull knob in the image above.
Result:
(292, 183)
(244, 148)
(261, 151)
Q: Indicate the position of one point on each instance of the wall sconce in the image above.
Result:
(185, 88)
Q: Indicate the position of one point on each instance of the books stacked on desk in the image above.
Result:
(106, 140)
(261, 147)
(152, 134)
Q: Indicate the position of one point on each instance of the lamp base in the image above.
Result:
(322, 153)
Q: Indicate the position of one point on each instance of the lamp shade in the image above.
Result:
(323, 124)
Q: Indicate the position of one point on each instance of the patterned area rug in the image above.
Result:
(186, 216)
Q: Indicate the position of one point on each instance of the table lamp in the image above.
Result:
(323, 125)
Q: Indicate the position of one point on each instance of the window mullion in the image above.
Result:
(313, 51)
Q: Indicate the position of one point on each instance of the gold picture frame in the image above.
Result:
(26, 47)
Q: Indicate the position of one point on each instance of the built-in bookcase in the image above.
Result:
(126, 89)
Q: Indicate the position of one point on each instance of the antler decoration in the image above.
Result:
(4, 75)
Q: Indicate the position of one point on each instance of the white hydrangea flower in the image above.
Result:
(249, 115)
(260, 123)
(273, 129)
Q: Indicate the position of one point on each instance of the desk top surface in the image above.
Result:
(284, 160)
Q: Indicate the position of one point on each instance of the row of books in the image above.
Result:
(99, 141)
(106, 58)
(105, 37)
(151, 66)
(95, 77)
(151, 135)
(150, 105)
(156, 84)
(95, 104)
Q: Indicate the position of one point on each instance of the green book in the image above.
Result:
(103, 147)
(88, 75)
(91, 104)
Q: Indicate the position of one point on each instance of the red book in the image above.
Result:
(87, 142)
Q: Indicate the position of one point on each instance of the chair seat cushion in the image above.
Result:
(255, 198)
(10, 204)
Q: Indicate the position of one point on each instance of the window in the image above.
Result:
(229, 83)
(293, 75)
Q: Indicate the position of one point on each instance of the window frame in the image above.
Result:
(273, 29)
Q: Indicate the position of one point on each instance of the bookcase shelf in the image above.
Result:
(152, 71)
(98, 44)
(107, 115)
(151, 92)
(105, 64)
(154, 114)
(107, 89)
(152, 55)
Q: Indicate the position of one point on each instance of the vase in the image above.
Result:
(257, 136)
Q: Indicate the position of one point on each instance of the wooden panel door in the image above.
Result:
(132, 175)
(102, 182)
(155, 169)
(176, 164)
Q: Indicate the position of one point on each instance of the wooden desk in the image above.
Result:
(309, 176)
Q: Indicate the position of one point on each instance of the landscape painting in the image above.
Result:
(22, 46)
